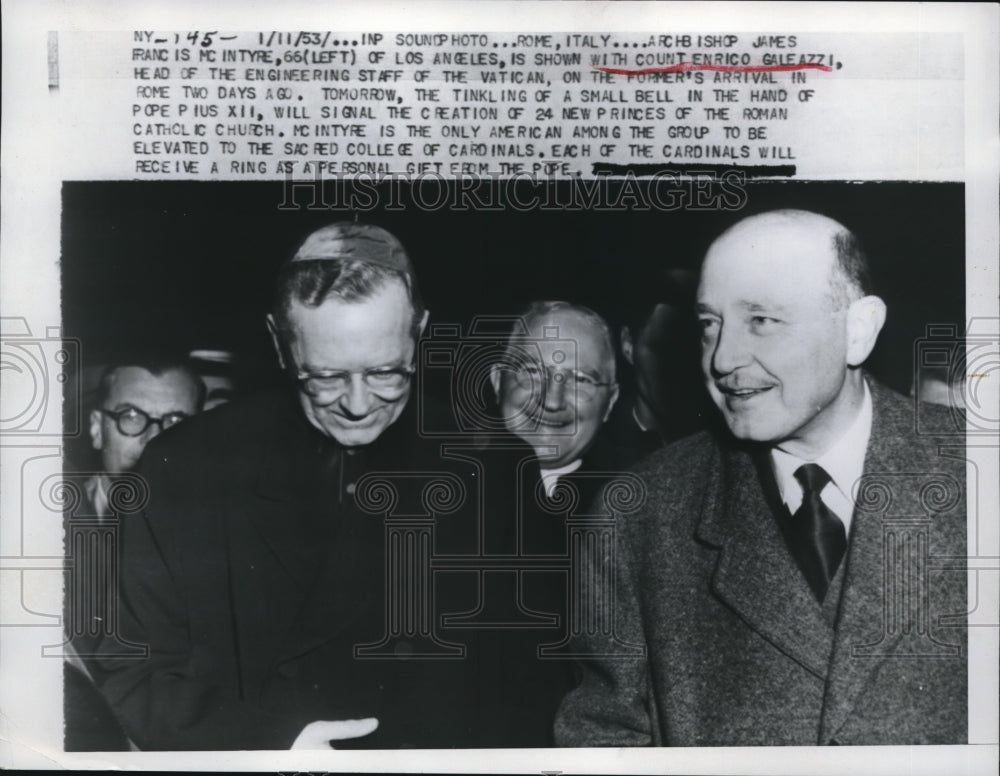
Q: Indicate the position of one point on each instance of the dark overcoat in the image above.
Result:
(254, 578)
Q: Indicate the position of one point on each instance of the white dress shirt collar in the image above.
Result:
(550, 477)
(844, 462)
(96, 488)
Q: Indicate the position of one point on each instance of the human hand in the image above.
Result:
(319, 734)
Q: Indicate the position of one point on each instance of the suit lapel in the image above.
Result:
(756, 574)
(860, 621)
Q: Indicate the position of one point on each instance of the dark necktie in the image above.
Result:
(816, 535)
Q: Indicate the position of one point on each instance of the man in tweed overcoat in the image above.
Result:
(754, 631)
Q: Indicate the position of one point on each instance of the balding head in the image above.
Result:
(803, 237)
(787, 319)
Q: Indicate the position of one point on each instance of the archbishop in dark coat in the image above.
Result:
(280, 572)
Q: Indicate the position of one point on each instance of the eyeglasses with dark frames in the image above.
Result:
(131, 421)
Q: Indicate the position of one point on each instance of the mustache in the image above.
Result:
(735, 385)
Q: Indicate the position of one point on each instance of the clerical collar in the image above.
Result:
(550, 477)
(844, 462)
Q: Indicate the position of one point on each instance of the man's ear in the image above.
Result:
(627, 345)
(272, 329)
(96, 430)
(423, 323)
(865, 318)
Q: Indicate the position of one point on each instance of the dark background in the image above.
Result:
(190, 265)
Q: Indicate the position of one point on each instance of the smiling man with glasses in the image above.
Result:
(556, 386)
(256, 575)
(346, 328)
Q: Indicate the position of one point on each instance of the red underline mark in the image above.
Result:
(688, 67)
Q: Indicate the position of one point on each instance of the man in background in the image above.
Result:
(137, 399)
(778, 594)
(555, 386)
(663, 398)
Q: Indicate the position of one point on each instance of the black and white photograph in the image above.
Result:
(384, 509)
(546, 399)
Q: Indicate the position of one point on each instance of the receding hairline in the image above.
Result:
(381, 284)
(795, 221)
(848, 275)
(112, 377)
(537, 311)
(355, 283)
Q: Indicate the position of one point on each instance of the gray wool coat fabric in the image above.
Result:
(737, 649)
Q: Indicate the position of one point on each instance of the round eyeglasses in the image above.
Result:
(532, 376)
(133, 422)
(386, 381)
